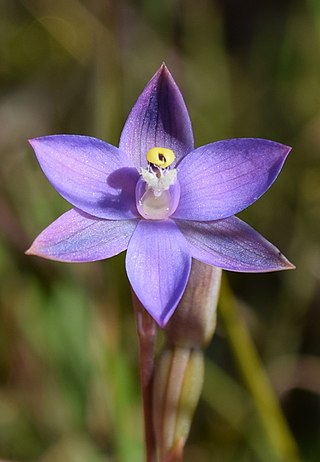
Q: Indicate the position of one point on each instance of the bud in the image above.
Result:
(194, 321)
(177, 386)
(179, 370)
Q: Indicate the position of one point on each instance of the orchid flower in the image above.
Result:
(159, 198)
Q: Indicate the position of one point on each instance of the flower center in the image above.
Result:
(158, 191)
(161, 157)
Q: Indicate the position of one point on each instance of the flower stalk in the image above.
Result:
(147, 330)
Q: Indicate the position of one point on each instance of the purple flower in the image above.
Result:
(159, 198)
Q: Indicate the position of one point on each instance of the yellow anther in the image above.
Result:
(161, 157)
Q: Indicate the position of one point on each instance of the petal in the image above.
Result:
(221, 179)
(158, 119)
(232, 245)
(78, 237)
(158, 265)
(92, 175)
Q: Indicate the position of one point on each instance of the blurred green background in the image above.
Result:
(69, 386)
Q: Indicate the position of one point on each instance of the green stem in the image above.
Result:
(146, 329)
(275, 425)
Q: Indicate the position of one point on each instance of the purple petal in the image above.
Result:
(221, 179)
(158, 265)
(232, 245)
(92, 175)
(78, 237)
(158, 119)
